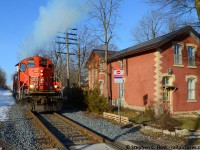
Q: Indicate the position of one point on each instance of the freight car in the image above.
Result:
(36, 86)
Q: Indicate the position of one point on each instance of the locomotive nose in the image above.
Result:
(34, 83)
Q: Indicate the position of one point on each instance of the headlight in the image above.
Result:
(55, 86)
(31, 86)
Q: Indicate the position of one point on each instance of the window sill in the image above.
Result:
(194, 67)
(176, 65)
(165, 100)
(191, 100)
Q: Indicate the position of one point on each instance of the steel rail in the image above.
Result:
(58, 143)
(81, 128)
(114, 144)
(98, 138)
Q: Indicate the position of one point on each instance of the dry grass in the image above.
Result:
(140, 118)
(134, 116)
(189, 123)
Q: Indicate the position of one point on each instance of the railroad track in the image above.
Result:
(66, 134)
(44, 138)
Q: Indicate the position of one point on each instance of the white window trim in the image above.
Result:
(176, 65)
(182, 46)
(195, 48)
(195, 80)
(101, 70)
(121, 63)
(99, 86)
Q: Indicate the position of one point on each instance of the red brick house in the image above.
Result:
(96, 65)
(163, 71)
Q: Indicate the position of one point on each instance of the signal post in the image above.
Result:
(118, 78)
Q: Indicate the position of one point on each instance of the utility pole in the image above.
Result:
(67, 39)
(67, 58)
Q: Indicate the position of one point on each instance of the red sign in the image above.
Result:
(118, 75)
(118, 72)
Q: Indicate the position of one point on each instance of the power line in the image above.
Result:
(68, 41)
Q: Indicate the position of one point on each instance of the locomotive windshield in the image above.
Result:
(30, 65)
(43, 62)
(22, 67)
(31, 62)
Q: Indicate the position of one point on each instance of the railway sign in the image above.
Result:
(118, 72)
(118, 78)
(118, 75)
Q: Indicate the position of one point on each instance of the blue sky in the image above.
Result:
(18, 18)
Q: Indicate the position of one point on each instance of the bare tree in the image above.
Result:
(179, 7)
(105, 13)
(51, 52)
(149, 27)
(173, 23)
(85, 44)
(2, 78)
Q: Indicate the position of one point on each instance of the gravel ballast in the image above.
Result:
(17, 132)
(106, 128)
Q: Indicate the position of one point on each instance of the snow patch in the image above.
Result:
(6, 101)
(3, 112)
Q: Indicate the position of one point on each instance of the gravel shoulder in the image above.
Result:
(16, 132)
(121, 133)
(104, 127)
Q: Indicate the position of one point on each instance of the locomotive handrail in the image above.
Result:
(21, 87)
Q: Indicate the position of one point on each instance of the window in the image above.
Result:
(50, 66)
(165, 81)
(93, 78)
(121, 90)
(22, 67)
(101, 67)
(191, 88)
(101, 87)
(177, 54)
(43, 62)
(191, 56)
(30, 65)
(121, 64)
(165, 94)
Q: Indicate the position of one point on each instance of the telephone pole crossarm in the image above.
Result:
(66, 53)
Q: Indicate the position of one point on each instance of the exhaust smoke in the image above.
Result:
(56, 17)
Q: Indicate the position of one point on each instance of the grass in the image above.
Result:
(189, 123)
(134, 116)
(142, 118)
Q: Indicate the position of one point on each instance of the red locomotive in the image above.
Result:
(35, 83)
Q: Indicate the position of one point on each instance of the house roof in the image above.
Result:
(100, 53)
(152, 44)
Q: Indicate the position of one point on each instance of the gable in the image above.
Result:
(195, 37)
